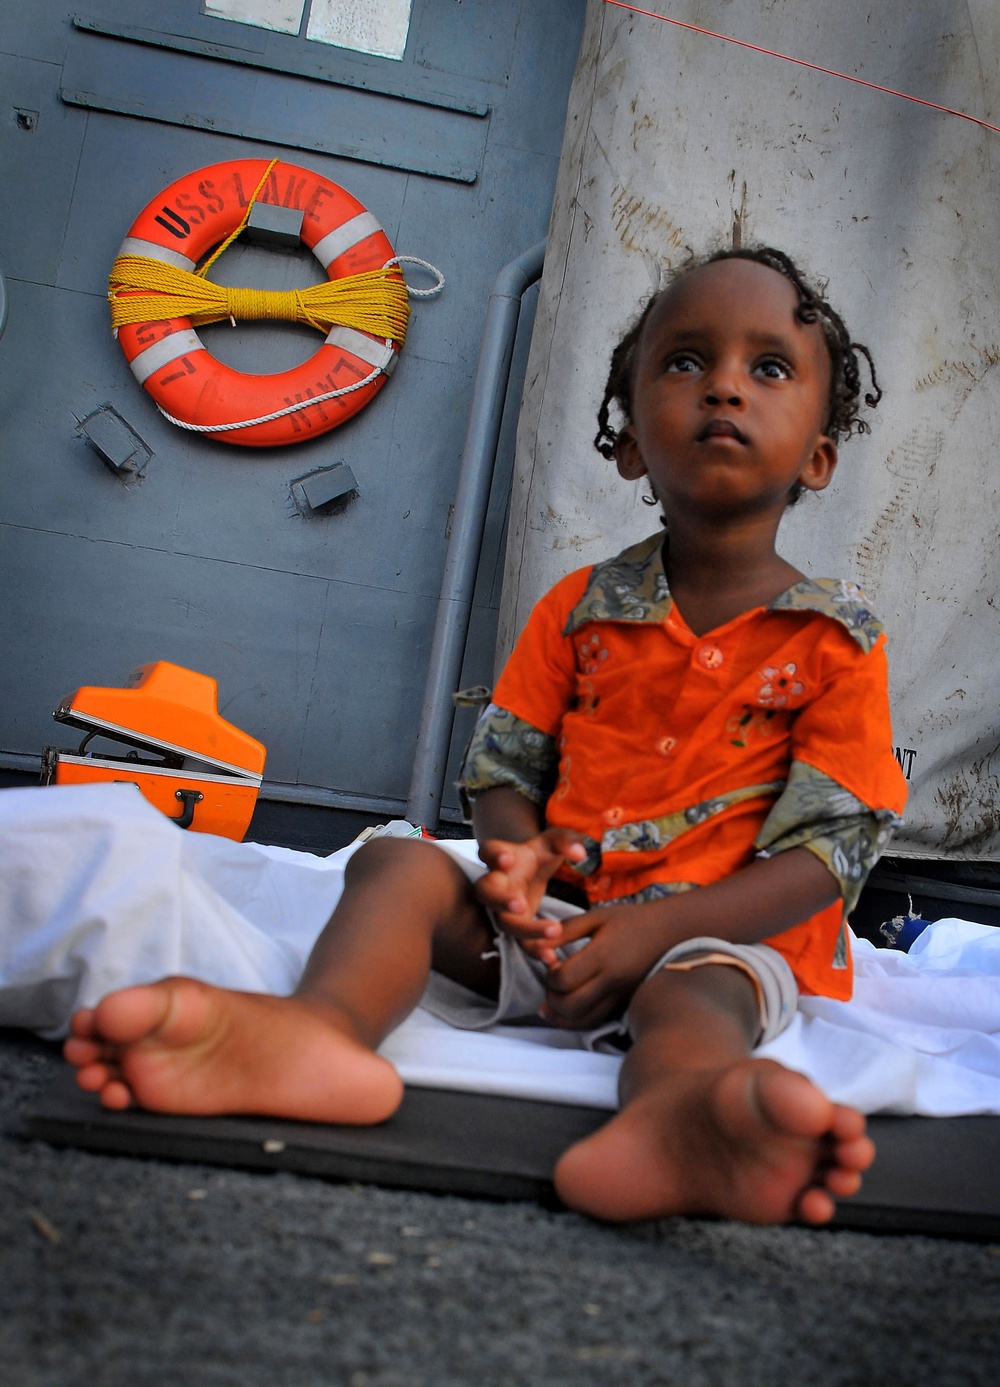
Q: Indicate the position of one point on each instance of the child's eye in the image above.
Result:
(774, 368)
(683, 361)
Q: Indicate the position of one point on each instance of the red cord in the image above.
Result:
(829, 71)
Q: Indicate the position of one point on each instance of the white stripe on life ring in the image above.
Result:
(377, 354)
(343, 237)
(134, 245)
(163, 352)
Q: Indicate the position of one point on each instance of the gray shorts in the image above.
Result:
(522, 979)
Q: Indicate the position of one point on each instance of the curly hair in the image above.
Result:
(846, 402)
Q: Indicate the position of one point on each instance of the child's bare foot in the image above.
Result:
(754, 1141)
(184, 1047)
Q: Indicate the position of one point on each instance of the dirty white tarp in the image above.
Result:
(679, 141)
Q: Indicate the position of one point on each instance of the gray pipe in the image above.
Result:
(468, 523)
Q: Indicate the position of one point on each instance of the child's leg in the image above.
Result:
(706, 1129)
(184, 1046)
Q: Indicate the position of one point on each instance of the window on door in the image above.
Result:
(367, 26)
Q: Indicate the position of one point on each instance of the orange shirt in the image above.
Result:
(675, 751)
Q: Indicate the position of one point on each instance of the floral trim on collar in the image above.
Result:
(630, 587)
(838, 599)
(633, 587)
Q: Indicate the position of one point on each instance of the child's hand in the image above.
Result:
(516, 881)
(596, 983)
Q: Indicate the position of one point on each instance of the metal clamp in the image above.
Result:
(189, 798)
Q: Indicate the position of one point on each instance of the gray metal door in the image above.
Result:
(315, 624)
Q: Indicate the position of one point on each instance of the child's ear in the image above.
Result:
(628, 456)
(818, 471)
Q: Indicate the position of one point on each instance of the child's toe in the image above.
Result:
(80, 1052)
(816, 1206)
(856, 1154)
(92, 1077)
(116, 1095)
(842, 1184)
(82, 1022)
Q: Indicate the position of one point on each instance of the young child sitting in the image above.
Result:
(697, 736)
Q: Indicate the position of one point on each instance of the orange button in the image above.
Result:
(710, 656)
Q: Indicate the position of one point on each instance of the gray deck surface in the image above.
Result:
(122, 1271)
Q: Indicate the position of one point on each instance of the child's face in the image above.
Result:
(730, 395)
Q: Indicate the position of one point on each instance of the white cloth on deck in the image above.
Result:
(99, 890)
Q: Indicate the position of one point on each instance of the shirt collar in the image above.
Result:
(633, 587)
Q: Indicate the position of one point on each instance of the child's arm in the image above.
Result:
(521, 856)
(764, 898)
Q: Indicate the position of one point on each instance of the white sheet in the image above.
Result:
(98, 890)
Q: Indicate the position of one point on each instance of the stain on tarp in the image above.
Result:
(969, 799)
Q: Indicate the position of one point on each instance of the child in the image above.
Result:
(691, 714)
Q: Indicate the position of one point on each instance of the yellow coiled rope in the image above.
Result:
(375, 301)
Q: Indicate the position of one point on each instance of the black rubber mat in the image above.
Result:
(933, 1175)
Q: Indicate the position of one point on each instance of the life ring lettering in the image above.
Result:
(173, 234)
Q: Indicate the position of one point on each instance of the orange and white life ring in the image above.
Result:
(195, 390)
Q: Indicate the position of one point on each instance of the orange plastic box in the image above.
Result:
(200, 770)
